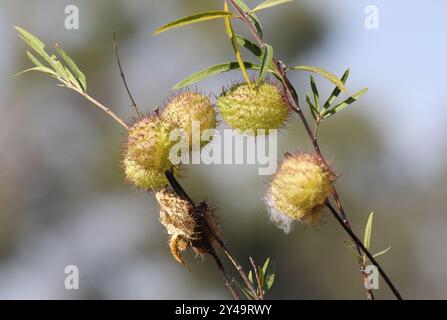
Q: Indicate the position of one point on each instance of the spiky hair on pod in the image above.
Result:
(248, 109)
(186, 107)
(146, 154)
(299, 190)
(187, 225)
(148, 144)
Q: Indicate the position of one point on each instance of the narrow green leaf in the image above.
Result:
(254, 20)
(39, 47)
(34, 60)
(231, 35)
(78, 74)
(342, 105)
(198, 17)
(269, 4)
(247, 293)
(315, 93)
(249, 45)
(380, 253)
(270, 279)
(250, 276)
(266, 265)
(368, 230)
(350, 100)
(40, 69)
(256, 23)
(336, 91)
(73, 80)
(59, 68)
(34, 43)
(244, 290)
(261, 275)
(212, 71)
(267, 58)
(312, 108)
(328, 75)
(264, 275)
(30, 39)
(241, 4)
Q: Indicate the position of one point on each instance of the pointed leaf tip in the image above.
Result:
(380, 253)
(267, 58)
(198, 17)
(234, 44)
(328, 75)
(213, 71)
(368, 231)
(270, 3)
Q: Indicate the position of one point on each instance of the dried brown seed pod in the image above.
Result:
(187, 225)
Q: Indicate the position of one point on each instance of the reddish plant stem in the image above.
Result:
(123, 78)
(258, 280)
(238, 267)
(107, 110)
(228, 280)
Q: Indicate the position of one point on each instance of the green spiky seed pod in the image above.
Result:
(187, 107)
(299, 189)
(145, 179)
(263, 107)
(148, 144)
(146, 154)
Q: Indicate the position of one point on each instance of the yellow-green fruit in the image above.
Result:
(146, 179)
(148, 144)
(189, 107)
(300, 188)
(262, 107)
(146, 154)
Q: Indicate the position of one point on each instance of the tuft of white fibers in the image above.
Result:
(281, 220)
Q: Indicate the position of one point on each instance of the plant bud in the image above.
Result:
(184, 109)
(262, 107)
(187, 225)
(299, 190)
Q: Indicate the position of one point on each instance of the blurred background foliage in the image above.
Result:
(62, 196)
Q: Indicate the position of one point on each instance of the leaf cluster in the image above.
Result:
(65, 70)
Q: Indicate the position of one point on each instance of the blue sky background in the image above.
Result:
(404, 65)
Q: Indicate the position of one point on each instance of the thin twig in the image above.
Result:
(100, 106)
(359, 243)
(369, 292)
(362, 261)
(228, 280)
(317, 127)
(236, 264)
(258, 280)
(123, 77)
(293, 101)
